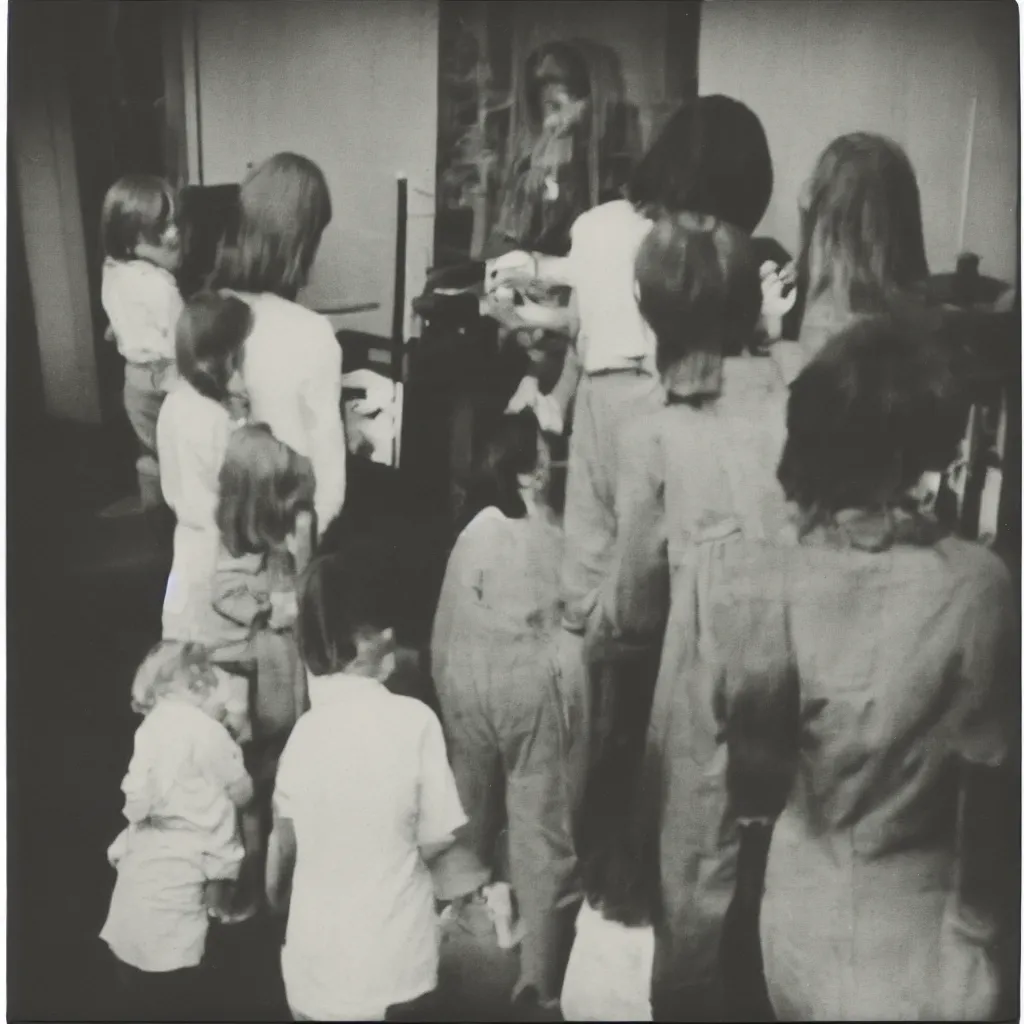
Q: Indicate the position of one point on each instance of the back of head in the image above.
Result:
(284, 206)
(862, 232)
(343, 597)
(172, 666)
(263, 486)
(511, 451)
(711, 158)
(698, 287)
(137, 208)
(878, 406)
(209, 337)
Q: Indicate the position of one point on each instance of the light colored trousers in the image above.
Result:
(605, 404)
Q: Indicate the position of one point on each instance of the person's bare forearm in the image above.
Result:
(280, 865)
(568, 381)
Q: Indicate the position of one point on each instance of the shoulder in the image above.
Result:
(485, 526)
(619, 214)
(140, 274)
(186, 406)
(975, 570)
(304, 324)
(412, 716)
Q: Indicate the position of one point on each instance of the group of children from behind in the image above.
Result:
(367, 821)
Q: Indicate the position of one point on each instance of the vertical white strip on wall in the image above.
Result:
(189, 40)
(972, 119)
(51, 213)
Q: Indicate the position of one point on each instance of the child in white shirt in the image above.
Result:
(179, 857)
(141, 299)
(192, 437)
(364, 802)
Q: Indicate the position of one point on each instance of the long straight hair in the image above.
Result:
(284, 207)
(209, 341)
(264, 485)
(863, 239)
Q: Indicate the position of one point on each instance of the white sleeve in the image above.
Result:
(139, 795)
(440, 810)
(286, 786)
(571, 265)
(223, 757)
(321, 411)
(167, 312)
(146, 321)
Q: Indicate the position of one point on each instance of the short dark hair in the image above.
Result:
(137, 208)
(284, 206)
(711, 157)
(699, 287)
(878, 406)
(862, 231)
(510, 450)
(263, 486)
(341, 595)
(209, 337)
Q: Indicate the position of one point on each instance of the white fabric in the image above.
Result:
(366, 782)
(609, 972)
(545, 407)
(613, 333)
(182, 832)
(292, 373)
(372, 424)
(143, 304)
(191, 438)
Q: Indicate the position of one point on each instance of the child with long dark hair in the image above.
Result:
(192, 436)
(498, 613)
(695, 477)
(264, 518)
(264, 515)
(141, 299)
(862, 240)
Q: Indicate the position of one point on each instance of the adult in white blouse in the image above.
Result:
(292, 364)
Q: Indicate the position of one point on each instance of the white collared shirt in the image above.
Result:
(143, 304)
(613, 333)
(292, 374)
(366, 782)
(182, 832)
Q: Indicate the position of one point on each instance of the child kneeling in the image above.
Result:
(364, 802)
(179, 857)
